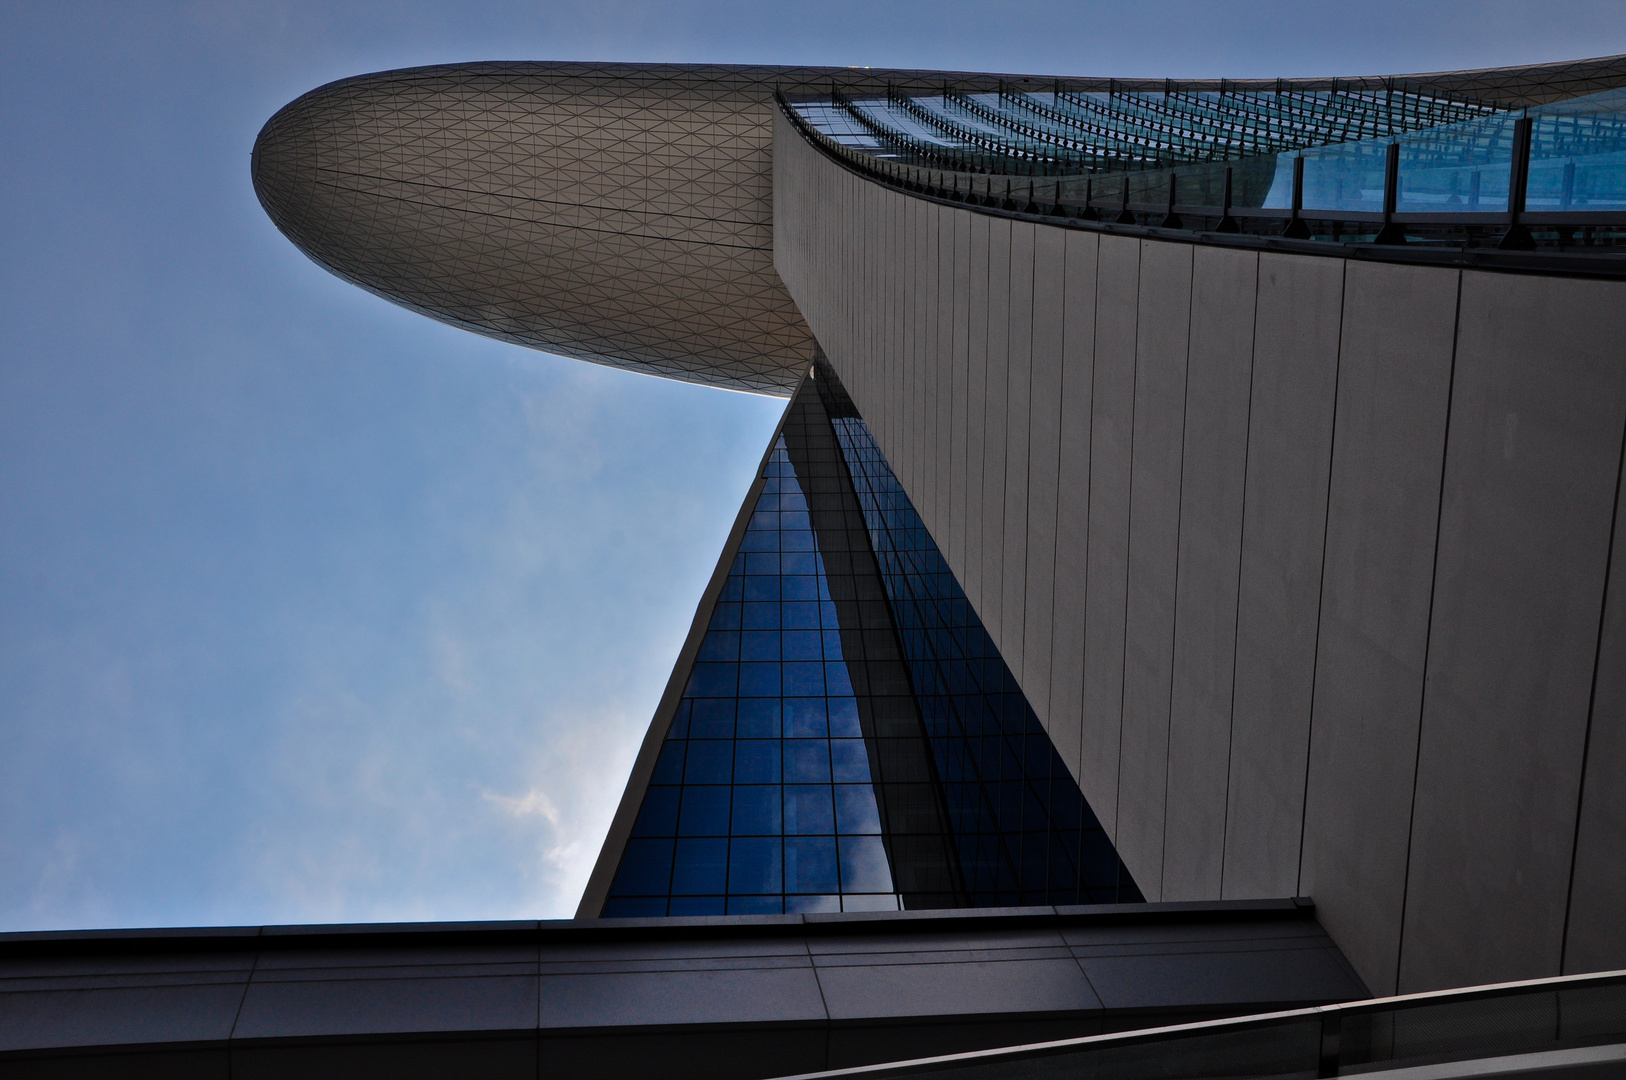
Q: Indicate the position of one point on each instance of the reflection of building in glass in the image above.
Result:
(848, 737)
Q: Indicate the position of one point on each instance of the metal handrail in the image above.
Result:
(1467, 1025)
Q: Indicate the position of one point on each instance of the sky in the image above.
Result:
(315, 610)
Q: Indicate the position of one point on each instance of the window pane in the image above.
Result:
(754, 865)
(856, 811)
(759, 718)
(863, 865)
(759, 645)
(805, 718)
(849, 761)
(756, 811)
(646, 869)
(712, 719)
(810, 864)
(705, 811)
(700, 866)
(756, 761)
(658, 815)
(807, 761)
(710, 761)
(808, 809)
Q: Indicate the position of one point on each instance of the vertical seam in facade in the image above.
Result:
(1428, 640)
(1174, 615)
(1241, 555)
(1321, 592)
(1129, 527)
(1055, 521)
(1089, 492)
(1027, 458)
(824, 1003)
(1591, 706)
(253, 967)
(996, 594)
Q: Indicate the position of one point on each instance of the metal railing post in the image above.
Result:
(1124, 216)
(1391, 233)
(1517, 237)
(1296, 228)
(1171, 220)
(1228, 224)
(1089, 213)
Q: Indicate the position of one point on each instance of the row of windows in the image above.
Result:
(774, 615)
(789, 678)
(758, 718)
(755, 865)
(730, 646)
(761, 800)
(762, 761)
(628, 907)
(759, 810)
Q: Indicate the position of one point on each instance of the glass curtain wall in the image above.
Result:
(848, 738)
(1024, 831)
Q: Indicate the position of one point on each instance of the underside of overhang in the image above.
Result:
(615, 213)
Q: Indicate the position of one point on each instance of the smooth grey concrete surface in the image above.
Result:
(1106, 570)
(1014, 562)
(1065, 716)
(732, 996)
(85, 1001)
(995, 424)
(1532, 467)
(1219, 381)
(959, 421)
(1284, 514)
(1323, 516)
(976, 411)
(1044, 461)
(1164, 321)
(1596, 933)
(1394, 387)
(929, 365)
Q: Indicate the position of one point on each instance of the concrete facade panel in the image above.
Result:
(947, 265)
(1065, 719)
(976, 413)
(1107, 571)
(1219, 377)
(1595, 939)
(1295, 370)
(1014, 582)
(1538, 404)
(995, 396)
(1392, 541)
(959, 424)
(1394, 386)
(1044, 443)
(1154, 545)
(931, 368)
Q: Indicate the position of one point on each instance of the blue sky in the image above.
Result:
(312, 609)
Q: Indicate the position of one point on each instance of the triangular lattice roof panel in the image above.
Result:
(617, 213)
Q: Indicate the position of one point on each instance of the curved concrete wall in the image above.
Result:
(1302, 560)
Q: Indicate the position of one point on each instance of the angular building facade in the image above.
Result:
(1183, 586)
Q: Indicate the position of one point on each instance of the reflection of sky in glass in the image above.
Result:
(761, 800)
(1024, 832)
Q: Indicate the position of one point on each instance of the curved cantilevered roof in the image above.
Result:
(616, 213)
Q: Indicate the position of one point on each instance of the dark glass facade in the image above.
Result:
(849, 739)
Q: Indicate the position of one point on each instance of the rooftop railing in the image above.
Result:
(1547, 178)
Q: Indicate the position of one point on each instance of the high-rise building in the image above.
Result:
(1186, 584)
